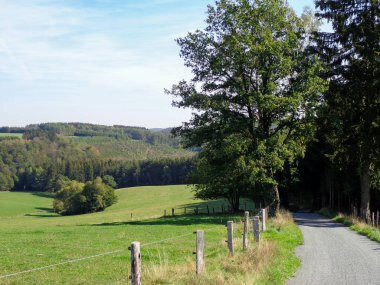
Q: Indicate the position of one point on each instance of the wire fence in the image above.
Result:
(196, 212)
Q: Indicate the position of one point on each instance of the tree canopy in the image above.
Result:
(253, 80)
(352, 53)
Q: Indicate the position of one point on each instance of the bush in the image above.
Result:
(78, 198)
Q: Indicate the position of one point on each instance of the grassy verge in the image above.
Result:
(354, 224)
(272, 261)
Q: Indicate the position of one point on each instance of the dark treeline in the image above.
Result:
(36, 163)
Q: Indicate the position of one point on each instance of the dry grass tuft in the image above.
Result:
(282, 219)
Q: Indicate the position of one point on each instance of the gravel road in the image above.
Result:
(333, 254)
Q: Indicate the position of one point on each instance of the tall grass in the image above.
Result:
(271, 261)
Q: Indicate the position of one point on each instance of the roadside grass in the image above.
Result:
(31, 236)
(272, 261)
(354, 224)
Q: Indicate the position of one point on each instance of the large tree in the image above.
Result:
(253, 79)
(352, 51)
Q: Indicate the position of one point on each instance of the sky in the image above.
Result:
(95, 61)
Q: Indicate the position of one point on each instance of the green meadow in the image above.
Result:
(15, 135)
(32, 236)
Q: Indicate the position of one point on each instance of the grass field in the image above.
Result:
(3, 135)
(31, 236)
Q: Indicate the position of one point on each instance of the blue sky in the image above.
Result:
(96, 61)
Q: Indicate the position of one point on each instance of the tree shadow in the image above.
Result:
(43, 194)
(315, 221)
(49, 210)
(52, 215)
(214, 206)
(174, 221)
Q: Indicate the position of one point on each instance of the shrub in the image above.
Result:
(78, 198)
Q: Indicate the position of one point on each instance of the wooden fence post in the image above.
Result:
(213, 210)
(245, 232)
(131, 215)
(208, 210)
(135, 263)
(377, 219)
(185, 210)
(172, 211)
(200, 244)
(164, 213)
(264, 218)
(230, 237)
(256, 228)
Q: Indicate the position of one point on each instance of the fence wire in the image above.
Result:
(103, 254)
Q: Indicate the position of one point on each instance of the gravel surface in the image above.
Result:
(333, 254)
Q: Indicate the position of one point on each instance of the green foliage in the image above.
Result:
(70, 200)
(38, 162)
(352, 118)
(253, 80)
(109, 180)
(78, 198)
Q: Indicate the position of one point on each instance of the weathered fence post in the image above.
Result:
(245, 232)
(200, 244)
(135, 263)
(213, 210)
(172, 211)
(131, 215)
(256, 228)
(164, 213)
(230, 237)
(208, 210)
(264, 220)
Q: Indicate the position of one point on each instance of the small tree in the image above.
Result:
(98, 196)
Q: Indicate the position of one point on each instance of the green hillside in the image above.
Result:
(32, 236)
(34, 157)
(128, 149)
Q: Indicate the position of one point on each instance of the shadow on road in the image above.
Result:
(314, 220)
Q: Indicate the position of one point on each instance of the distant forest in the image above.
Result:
(131, 155)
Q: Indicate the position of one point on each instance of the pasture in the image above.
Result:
(14, 135)
(31, 236)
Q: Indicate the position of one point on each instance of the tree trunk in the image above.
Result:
(276, 200)
(365, 187)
